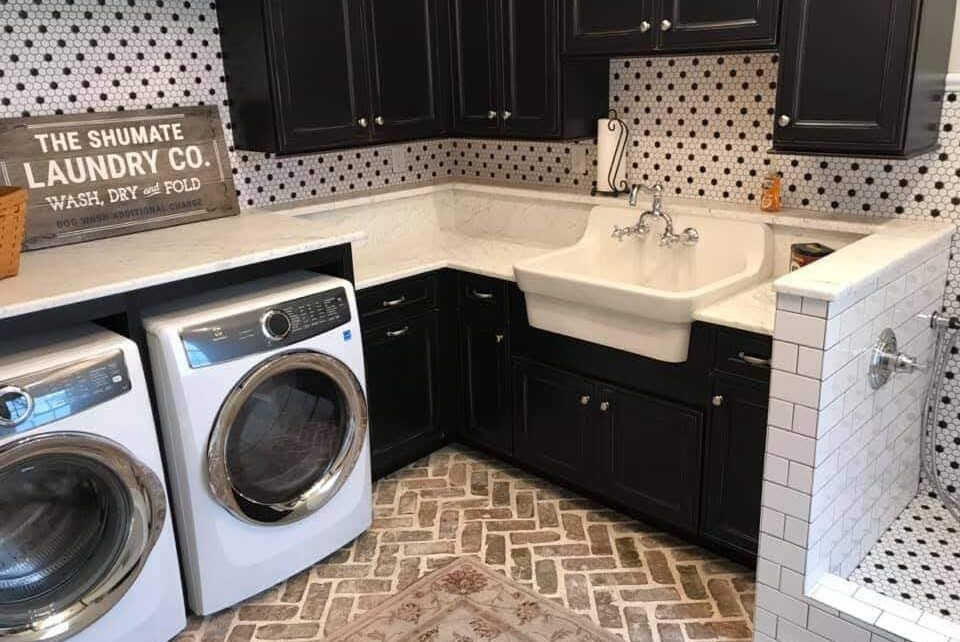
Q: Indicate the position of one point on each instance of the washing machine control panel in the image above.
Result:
(265, 329)
(40, 398)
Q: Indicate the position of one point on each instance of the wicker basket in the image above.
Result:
(13, 210)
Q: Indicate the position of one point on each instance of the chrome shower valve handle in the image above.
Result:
(887, 360)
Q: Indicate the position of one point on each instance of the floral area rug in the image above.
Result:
(467, 602)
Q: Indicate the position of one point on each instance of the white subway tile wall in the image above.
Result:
(843, 459)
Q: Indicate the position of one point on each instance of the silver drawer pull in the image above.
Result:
(394, 302)
(754, 361)
(604, 406)
(500, 338)
(393, 334)
(585, 400)
(483, 296)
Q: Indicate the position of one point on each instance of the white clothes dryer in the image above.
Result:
(264, 417)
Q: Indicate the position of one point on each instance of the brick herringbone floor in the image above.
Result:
(625, 576)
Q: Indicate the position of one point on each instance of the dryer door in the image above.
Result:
(287, 438)
(78, 519)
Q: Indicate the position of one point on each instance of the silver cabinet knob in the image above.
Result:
(645, 26)
(491, 115)
(718, 401)
(604, 406)
(666, 25)
(585, 400)
(507, 114)
(363, 123)
(379, 120)
(784, 120)
(500, 338)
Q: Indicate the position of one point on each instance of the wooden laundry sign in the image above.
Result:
(96, 175)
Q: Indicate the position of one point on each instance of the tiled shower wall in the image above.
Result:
(842, 459)
(702, 125)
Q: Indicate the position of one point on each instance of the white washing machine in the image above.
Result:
(86, 546)
(264, 417)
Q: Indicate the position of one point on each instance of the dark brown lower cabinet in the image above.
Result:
(554, 418)
(447, 356)
(403, 388)
(655, 456)
(734, 472)
(485, 355)
(637, 451)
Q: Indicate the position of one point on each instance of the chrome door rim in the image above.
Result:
(339, 469)
(147, 515)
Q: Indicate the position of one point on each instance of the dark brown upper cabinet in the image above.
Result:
(705, 25)
(405, 45)
(872, 90)
(508, 77)
(476, 66)
(608, 27)
(637, 27)
(306, 75)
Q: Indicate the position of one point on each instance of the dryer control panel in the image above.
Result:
(265, 329)
(40, 398)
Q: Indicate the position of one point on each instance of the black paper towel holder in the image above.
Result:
(620, 154)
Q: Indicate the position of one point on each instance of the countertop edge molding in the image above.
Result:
(841, 275)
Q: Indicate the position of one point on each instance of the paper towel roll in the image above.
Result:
(611, 148)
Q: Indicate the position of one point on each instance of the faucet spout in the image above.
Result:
(656, 191)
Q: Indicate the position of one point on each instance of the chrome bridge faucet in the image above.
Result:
(689, 237)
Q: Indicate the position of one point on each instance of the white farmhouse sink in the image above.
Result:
(636, 296)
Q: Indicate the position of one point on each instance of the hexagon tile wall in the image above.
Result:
(702, 125)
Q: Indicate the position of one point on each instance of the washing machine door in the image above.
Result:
(79, 516)
(287, 438)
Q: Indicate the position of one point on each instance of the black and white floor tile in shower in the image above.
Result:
(917, 560)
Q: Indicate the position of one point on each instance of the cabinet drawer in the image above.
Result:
(747, 355)
(409, 296)
(483, 294)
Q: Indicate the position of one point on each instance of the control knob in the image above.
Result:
(276, 324)
(16, 406)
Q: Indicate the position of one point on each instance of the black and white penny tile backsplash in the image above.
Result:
(702, 125)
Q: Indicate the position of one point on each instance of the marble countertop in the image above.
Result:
(69, 274)
(393, 239)
(886, 242)
(753, 310)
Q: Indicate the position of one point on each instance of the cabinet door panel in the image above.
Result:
(654, 456)
(844, 93)
(734, 470)
(486, 379)
(530, 75)
(552, 423)
(698, 25)
(477, 103)
(402, 365)
(320, 75)
(405, 68)
(612, 27)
